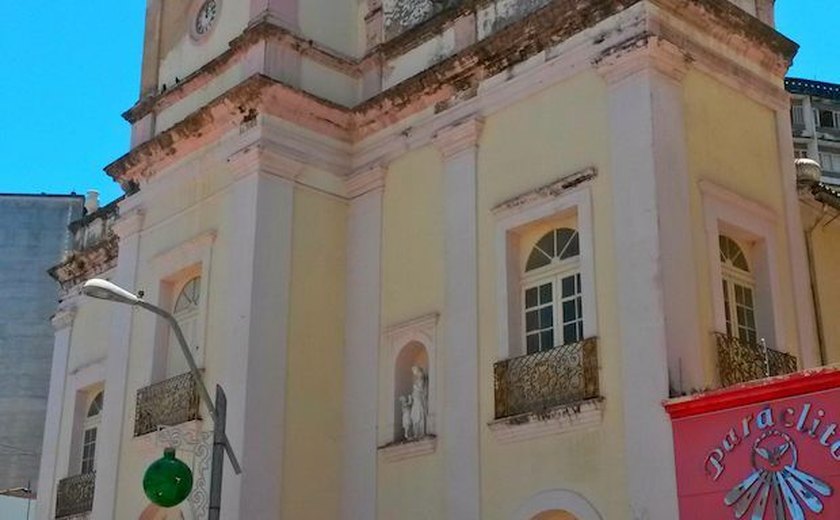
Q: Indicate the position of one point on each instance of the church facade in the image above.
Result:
(447, 259)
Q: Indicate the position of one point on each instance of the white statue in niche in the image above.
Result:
(419, 403)
(405, 404)
(415, 406)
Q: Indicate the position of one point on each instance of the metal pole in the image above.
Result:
(202, 390)
(217, 462)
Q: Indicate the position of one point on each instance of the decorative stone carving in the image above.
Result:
(415, 406)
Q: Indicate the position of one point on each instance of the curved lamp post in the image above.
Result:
(105, 290)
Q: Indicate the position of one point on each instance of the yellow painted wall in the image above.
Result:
(732, 142)
(825, 240)
(525, 146)
(412, 286)
(312, 451)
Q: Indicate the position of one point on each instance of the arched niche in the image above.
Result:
(557, 504)
(406, 344)
(412, 355)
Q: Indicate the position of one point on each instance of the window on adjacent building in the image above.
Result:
(830, 162)
(185, 309)
(828, 118)
(800, 153)
(797, 115)
(738, 291)
(93, 419)
(552, 295)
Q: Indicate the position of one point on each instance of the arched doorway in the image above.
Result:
(557, 504)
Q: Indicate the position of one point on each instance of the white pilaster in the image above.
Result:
(459, 426)
(257, 297)
(362, 333)
(809, 352)
(116, 369)
(47, 474)
(657, 299)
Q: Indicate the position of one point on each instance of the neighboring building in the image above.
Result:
(815, 111)
(33, 238)
(448, 259)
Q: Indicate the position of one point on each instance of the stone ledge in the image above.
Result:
(562, 419)
(398, 451)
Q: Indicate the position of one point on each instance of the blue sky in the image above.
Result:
(71, 69)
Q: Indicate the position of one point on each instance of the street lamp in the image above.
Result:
(105, 290)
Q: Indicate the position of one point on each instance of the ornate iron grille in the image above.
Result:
(740, 361)
(167, 403)
(538, 382)
(75, 495)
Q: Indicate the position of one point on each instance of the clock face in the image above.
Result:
(205, 17)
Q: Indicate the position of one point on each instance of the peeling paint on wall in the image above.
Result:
(501, 13)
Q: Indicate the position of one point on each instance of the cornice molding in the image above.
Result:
(643, 52)
(459, 137)
(366, 181)
(546, 192)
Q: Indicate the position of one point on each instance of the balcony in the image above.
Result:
(536, 383)
(168, 403)
(740, 361)
(75, 495)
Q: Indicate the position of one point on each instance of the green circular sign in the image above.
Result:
(168, 481)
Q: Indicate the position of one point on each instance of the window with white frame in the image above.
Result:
(93, 419)
(551, 292)
(738, 291)
(185, 309)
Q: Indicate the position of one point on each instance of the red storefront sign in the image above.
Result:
(768, 450)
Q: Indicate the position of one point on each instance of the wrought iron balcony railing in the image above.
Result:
(741, 361)
(538, 382)
(168, 403)
(75, 495)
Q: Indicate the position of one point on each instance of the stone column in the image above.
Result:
(656, 274)
(108, 445)
(460, 418)
(47, 474)
(361, 350)
(257, 298)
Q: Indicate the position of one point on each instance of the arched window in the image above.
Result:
(93, 419)
(185, 309)
(738, 291)
(553, 306)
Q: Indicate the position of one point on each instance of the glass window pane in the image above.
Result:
(568, 286)
(545, 293)
(532, 342)
(531, 297)
(546, 317)
(547, 339)
(546, 244)
(536, 260)
(570, 333)
(569, 311)
(532, 321)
